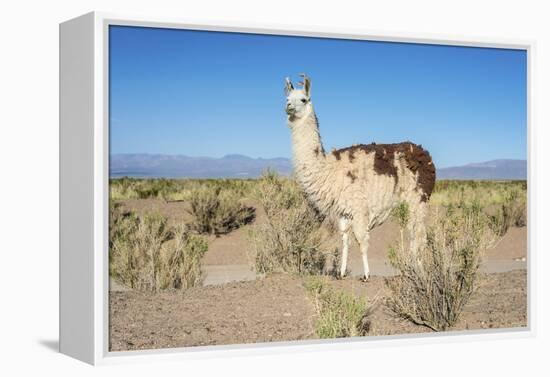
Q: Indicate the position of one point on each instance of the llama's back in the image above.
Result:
(374, 177)
(393, 160)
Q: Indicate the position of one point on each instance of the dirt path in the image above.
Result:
(278, 308)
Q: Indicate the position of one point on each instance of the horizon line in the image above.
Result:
(287, 158)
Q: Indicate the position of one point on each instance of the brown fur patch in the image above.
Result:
(417, 160)
(336, 154)
(318, 150)
(352, 176)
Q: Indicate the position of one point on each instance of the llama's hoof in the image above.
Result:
(364, 278)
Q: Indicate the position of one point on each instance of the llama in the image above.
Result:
(358, 185)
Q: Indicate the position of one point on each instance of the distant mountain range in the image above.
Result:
(239, 166)
(495, 170)
(179, 166)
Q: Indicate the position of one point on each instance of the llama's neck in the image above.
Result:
(307, 148)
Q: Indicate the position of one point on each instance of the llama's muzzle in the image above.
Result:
(290, 110)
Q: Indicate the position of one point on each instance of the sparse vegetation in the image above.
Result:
(511, 212)
(150, 252)
(147, 254)
(339, 313)
(434, 284)
(503, 202)
(174, 189)
(487, 193)
(218, 212)
(291, 238)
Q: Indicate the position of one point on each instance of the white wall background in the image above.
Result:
(29, 182)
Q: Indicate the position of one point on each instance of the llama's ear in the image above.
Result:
(307, 84)
(288, 86)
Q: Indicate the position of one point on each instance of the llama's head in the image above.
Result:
(298, 101)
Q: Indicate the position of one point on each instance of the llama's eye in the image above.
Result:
(304, 100)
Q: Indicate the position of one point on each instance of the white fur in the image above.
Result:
(344, 226)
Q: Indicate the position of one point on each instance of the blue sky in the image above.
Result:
(202, 93)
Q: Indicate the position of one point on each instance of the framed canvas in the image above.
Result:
(242, 189)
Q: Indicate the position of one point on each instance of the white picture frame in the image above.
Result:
(84, 153)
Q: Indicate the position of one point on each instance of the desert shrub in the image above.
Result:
(291, 237)
(401, 214)
(339, 313)
(217, 211)
(135, 248)
(511, 212)
(182, 262)
(434, 284)
(147, 254)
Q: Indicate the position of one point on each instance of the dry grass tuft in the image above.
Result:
(339, 314)
(182, 263)
(147, 254)
(291, 238)
(217, 211)
(511, 212)
(434, 284)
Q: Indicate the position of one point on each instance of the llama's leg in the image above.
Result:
(344, 226)
(364, 246)
(362, 234)
(416, 227)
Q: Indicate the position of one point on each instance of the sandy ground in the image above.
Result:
(282, 311)
(212, 315)
(221, 312)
